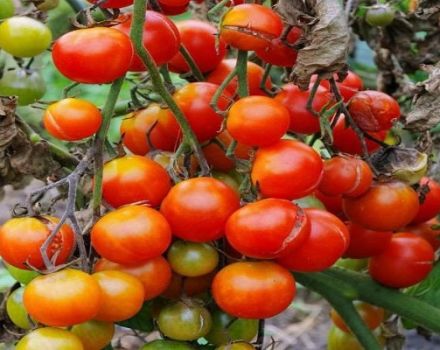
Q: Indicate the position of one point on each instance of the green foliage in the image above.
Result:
(142, 321)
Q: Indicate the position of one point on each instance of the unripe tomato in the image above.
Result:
(310, 201)
(173, 7)
(166, 345)
(132, 179)
(94, 335)
(380, 15)
(327, 242)
(188, 286)
(112, 4)
(49, 339)
(72, 119)
(131, 235)
(157, 122)
(254, 77)
(184, 321)
(155, 274)
(372, 316)
(348, 87)
(236, 346)
(243, 289)
(374, 110)
(16, 310)
(407, 260)
(197, 209)
(45, 303)
(96, 55)
(20, 275)
(340, 340)
(194, 99)
(250, 27)
(385, 207)
(352, 264)
(365, 243)
(426, 231)
(267, 228)
(199, 38)
(24, 36)
(7, 8)
(295, 100)
(288, 169)
(29, 87)
(430, 207)
(257, 121)
(46, 5)
(22, 238)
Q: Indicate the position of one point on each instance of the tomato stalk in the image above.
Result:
(266, 74)
(192, 65)
(76, 5)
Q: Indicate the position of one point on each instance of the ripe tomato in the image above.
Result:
(348, 87)
(187, 286)
(27, 86)
(288, 169)
(345, 175)
(431, 204)
(94, 335)
(131, 235)
(254, 77)
(242, 289)
(295, 100)
(257, 121)
(278, 53)
(155, 274)
(112, 4)
(197, 209)
(80, 55)
(45, 303)
(426, 231)
(194, 99)
(374, 110)
(72, 119)
(158, 122)
(49, 339)
(24, 36)
(16, 310)
(332, 203)
(166, 345)
(250, 27)
(22, 238)
(372, 316)
(407, 260)
(199, 38)
(131, 179)
(267, 228)
(161, 38)
(7, 9)
(365, 243)
(173, 7)
(327, 242)
(385, 207)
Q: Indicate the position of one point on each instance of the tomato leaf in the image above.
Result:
(429, 289)
(142, 321)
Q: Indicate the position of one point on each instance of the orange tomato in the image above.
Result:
(372, 316)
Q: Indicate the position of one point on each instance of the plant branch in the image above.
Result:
(191, 63)
(241, 68)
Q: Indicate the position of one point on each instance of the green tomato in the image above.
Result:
(24, 36)
(166, 345)
(49, 339)
(309, 202)
(94, 335)
(380, 15)
(236, 346)
(227, 179)
(16, 310)
(7, 8)
(22, 276)
(340, 340)
(46, 5)
(27, 86)
(352, 264)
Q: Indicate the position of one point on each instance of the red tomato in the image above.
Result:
(348, 87)
(173, 7)
(253, 289)
(374, 110)
(194, 99)
(80, 55)
(278, 53)
(426, 231)
(187, 286)
(250, 26)
(257, 121)
(365, 243)
(407, 260)
(295, 100)
(385, 207)
(199, 38)
(112, 4)
(267, 228)
(254, 77)
(332, 203)
(197, 209)
(131, 235)
(327, 242)
(161, 38)
(159, 122)
(431, 205)
(132, 179)
(288, 169)
(371, 315)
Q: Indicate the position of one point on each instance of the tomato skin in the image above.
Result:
(426, 231)
(372, 316)
(132, 179)
(253, 289)
(187, 286)
(380, 15)
(131, 235)
(430, 207)
(254, 77)
(199, 38)
(385, 207)
(288, 169)
(340, 340)
(20, 275)
(261, 24)
(72, 58)
(49, 339)
(27, 86)
(7, 9)
(112, 4)
(174, 7)
(333, 204)
(327, 242)
(295, 100)
(407, 260)
(268, 228)
(166, 345)
(22, 238)
(94, 335)
(72, 119)
(47, 305)
(348, 87)
(16, 310)
(197, 209)
(365, 243)
(194, 99)
(374, 110)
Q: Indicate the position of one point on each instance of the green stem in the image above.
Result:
(76, 5)
(136, 37)
(107, 114)
(192, 65)
(217, 8)
(241, 68)
(167, 77)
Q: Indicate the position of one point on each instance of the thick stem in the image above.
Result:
(192, 65)
(241, 67)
